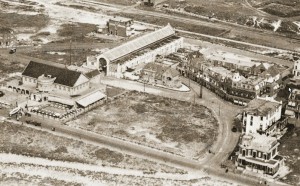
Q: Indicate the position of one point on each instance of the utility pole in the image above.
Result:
(70, 51)
(219, 110)
(200, 95)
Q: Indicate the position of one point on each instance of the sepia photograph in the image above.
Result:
(149, 92)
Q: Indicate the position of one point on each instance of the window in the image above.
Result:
(251, 123)
(251, 117)
(261, 118)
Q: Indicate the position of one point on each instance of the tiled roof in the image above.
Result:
(63, 76)
(139, 43)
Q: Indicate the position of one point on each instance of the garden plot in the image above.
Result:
(21, 140)
(174, 126)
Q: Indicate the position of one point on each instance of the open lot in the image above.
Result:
(170, 125)
(176, 24)
(274, 15)
(22, 140)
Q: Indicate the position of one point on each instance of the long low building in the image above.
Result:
(57, 83)
(140, 50)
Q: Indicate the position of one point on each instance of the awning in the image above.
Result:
(91, 98)
(64, 101)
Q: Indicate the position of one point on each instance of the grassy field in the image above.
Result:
(21, 140)
(119, 2)
(176, 24)
(154, 121)
(9, 65)
(14, 20)
(290, 148)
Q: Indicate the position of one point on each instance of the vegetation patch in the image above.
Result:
(14, 20)
(177, 24)
(109, 155)
(290, 148)
(166, 124)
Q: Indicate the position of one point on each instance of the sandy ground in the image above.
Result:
(37, 170)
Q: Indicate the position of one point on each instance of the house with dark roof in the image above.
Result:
(161, 74)
(138, 51)
(42, 78)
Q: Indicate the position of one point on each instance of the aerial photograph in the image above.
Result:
(149, 92)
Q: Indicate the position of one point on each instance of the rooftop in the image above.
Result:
(63, 75)
(231, 58)
(261, 107)
(144, 50)
(139, 43)
(120, 19)
(221, 70)
(258, 142)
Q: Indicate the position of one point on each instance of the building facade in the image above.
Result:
(259, 153)
(263, 116)
(119, 26)
(159, 74)
(141, 50)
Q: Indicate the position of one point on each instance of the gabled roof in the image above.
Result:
(92, 73)
(173, 72)
(63, 75)
(272, 71)
(139, 43)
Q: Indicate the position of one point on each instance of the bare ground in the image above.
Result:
(170, 125)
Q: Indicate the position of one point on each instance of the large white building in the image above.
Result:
(144, 49)
(262, 116)
(296, 69)
(259, 153)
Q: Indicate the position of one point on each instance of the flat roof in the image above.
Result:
(261, 107)
(258, 142)
(231, 58)
(221, 70)
(120, 19)
(90, 98)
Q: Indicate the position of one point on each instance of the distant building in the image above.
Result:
(263, 116)
(149, 2)
(157, 73)
(293, 106)
(142, 50)
(119, 26)
(296, 69)
(7, 37)
(259, 153)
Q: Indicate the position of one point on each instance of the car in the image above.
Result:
(234, 129)
(13, 50)
(53, 128)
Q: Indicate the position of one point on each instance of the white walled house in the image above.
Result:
(263, 116)
(259, 153)
(143, 49)
(296, 69)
